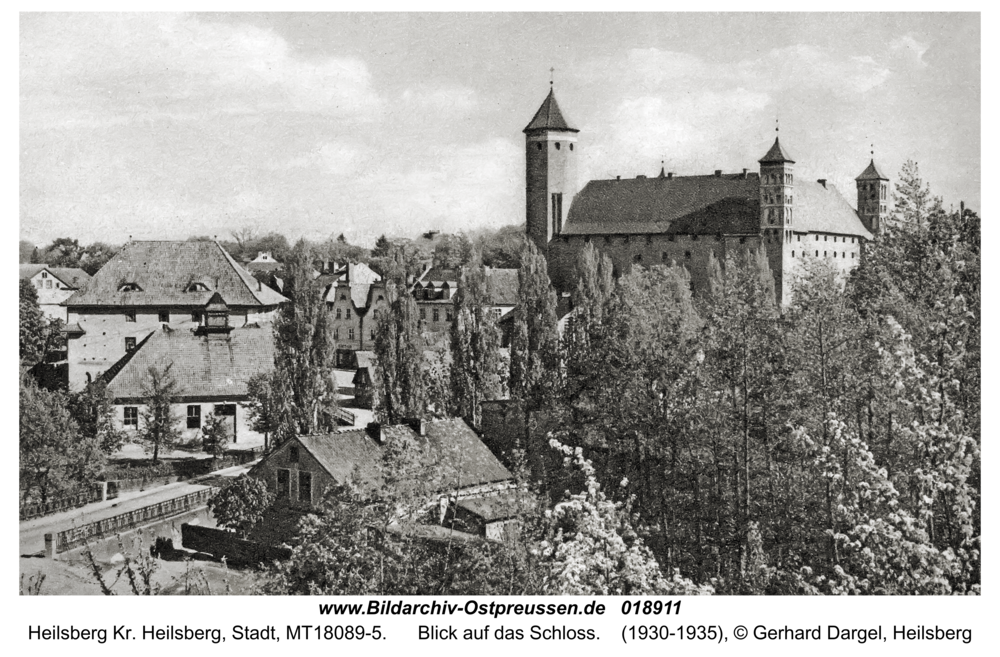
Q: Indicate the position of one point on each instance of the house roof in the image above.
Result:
(502, 286)
(456, 457)
(871, 173)
(776, 154)
(212, 365)
(549, 117)
(365, 358)
(358, 279)
(727, 204)
(497, 506)
(71, 277)
(164, 271)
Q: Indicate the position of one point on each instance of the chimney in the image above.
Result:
(822, 181)
(961, 208)
(618, 178)
(718, 173)
(670, 174)
(744, 174)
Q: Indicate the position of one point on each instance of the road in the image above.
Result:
(32, 532)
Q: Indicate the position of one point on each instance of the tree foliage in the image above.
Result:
(399, 384)
(241, 505)
(159, 427)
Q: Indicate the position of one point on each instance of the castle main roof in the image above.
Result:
(727, 204)
(871, 173)
(173, 274)
(549, 117)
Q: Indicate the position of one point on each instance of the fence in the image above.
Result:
(221, 543)
(93, 493)
(77, 536)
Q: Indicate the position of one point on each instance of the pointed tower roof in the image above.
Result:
(777, 154)
(549, 117)
(871, 173)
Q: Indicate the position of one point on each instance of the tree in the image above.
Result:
(475, 347)
(25, 251)
(36, 337)
(96, 255)
(399, 361)
(215, 435)
(94, 413)
(63, 252)
(452, 251)
(241, 505)
(503, 248)
(304, 349)
(160, 428)
(54, 457)
(267, 404)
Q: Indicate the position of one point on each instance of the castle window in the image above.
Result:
(824, 238)
(607, 239)
(586, 240)
(347, 313)
(129, 315)
(338, 313)
(824, 254)
(557, 146)
(336, 333)
(637, 258)
(571, 146)
(793, 254)
(423, 313)
(817, 238)
(447, 316)
(350, 334)
(798, 238)
(834, 254)
(817, 254)
(131, 417)
(437, 315)
(852, 256)
(843, 254)
(539, 146)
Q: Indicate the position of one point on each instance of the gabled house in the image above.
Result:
(149, 285)
(354, 296)
(212, 365)
(364, 379)
(457, 464)
(54, 285)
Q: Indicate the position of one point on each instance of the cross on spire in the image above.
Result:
(552, 76)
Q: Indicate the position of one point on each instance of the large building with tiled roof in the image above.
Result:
(666, 218)
(149, 285)
(211, 366)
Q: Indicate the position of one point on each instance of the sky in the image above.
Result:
(164, 126)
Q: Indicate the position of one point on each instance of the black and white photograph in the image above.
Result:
(500, 304)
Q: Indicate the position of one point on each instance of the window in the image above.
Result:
(350, 334)
(571, 146)
(817, 254)
(194, 416)
(607, 239)
(798, 238)
(131, 416)
(195, 316)
(670, 238)
(293, 454)
(824, 254)
(824, 238)
(852, 256)
(129, 315)
(347, 313)
(663, 256)
(164, 316)
(336, 333)
(793, 254)
(694, 238)
(437, 315)
(45, 274)
(557, 146)
(637, 258)
(372, 335)
(817, 238)
(305, 487)
(129, 344)
(48, 284)
(284, 483)
(843, 254)
(423, 313)
(225, 410)
(687, 254)
(38, 284)
(448, 315)
(338, 313)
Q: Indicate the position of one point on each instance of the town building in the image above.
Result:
(264, 262)
(435, 289)
(211, 366)
(151, 285)
(354, 296)
(668, 218)
(54, 285)
(454, 463)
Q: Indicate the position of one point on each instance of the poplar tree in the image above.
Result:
(399, 360)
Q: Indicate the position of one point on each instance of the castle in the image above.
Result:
(683, 219)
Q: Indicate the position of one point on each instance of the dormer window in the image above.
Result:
(130, 287)
(197, 287)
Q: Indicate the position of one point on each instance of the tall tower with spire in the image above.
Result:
(777, 195)
(873, 197)
(550, 160)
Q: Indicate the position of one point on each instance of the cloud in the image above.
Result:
(451, 100)
(808, 67)
(909, 47)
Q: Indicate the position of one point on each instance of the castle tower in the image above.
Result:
(776, 191)
(550, 172)
(873, 197)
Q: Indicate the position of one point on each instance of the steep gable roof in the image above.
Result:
(871, 173)
(708, 205)
(819, 209)
(71, 277)
(164, 273)
(455, 456)
(204, 365)
(549, 117)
